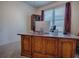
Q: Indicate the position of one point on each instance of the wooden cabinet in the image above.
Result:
(67, 48)
(47, 47)
(26, 46)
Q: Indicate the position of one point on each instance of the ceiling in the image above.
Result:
(38, 4)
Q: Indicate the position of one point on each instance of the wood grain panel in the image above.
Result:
(26, 45)
(38, 45)
(51, 46)
(66, 48)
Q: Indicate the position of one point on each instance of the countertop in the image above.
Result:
(54, 35)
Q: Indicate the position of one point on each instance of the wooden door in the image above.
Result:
(51, 46)
(38, 45)
(25, 45)
(67, 48)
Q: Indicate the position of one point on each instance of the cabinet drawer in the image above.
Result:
(40, 55)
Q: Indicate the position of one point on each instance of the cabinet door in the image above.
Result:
(38, 44)
(51, 46)
(26, 45)
(67, 48)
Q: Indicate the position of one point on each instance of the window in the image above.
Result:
(56, 17)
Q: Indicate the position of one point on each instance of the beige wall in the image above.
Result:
(14, 19)
(74, 15)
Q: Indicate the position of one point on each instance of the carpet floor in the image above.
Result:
(11, 50)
